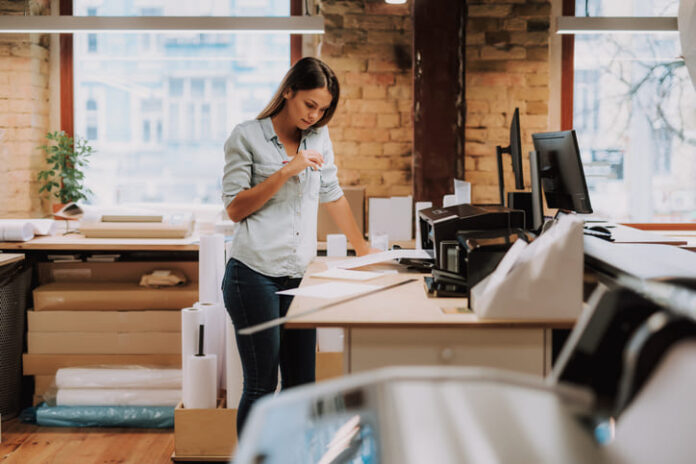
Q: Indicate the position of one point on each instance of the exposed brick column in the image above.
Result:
(24, 112)
(368, 45)
(507, 66)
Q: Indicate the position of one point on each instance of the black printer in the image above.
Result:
(439, 226)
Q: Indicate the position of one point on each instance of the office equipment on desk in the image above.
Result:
(515, 152)
(439, 226)
(645, 261)
(419, 206)
(542, 280)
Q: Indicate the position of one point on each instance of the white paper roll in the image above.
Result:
(233, 366)
(214, 316)
(211, 264)
(117, 397)
(191, 319)
(204, 382)
(330, 340)
(336, 245)
(419, 206)
(13, 230)
(134, 377)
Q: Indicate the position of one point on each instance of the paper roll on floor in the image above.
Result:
(134, 377)
(191, 319)
(214, 315)
(233, 366)
(117, 397)
(203, 382)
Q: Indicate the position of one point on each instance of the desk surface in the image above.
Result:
(404, 306)
(8, 258)
(79, 242)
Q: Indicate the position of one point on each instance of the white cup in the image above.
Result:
(336, 245)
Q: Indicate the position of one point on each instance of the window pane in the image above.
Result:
(165, 103)
(635, 116)
(626, 8)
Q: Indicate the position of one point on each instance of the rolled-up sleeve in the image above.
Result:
(238, 161)
(330, 189)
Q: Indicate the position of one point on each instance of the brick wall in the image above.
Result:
(24, 110)
(368, 44)
(506, 67)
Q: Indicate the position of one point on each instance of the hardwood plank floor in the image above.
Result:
(31, 444)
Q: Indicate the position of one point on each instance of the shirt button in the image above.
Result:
(297, 233)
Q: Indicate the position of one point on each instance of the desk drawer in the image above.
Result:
(518, 349)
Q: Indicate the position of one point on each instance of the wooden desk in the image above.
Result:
(402, 326)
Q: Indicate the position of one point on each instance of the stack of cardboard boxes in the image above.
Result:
(90, 314)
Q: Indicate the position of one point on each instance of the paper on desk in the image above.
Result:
(17, 229)
(330, 290)
(346, 274)
(379, 258)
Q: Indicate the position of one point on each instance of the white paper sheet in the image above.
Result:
(380, 258)
(346, 274)
(330, 290)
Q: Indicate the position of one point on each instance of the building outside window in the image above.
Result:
(635, 117)
(167, 102)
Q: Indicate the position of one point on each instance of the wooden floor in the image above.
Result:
(30, 444)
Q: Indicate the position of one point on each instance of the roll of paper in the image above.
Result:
(211, 266)
(117, 397)
(336, 245)
(134, 377)
(419, 206)
(13, 230)
(214, 315)
(233, 366)
(204, 382)
(191, 318)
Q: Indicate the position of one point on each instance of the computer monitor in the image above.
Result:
(515, 151)
(560, 171)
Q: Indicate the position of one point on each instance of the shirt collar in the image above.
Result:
(269, 132)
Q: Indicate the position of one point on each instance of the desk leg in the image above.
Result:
(346, 350)
(548, 350)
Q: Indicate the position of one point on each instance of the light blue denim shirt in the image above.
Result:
(280, 239)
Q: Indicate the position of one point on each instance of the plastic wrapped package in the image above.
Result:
(118, 377)
(116, 397)
(105, 416)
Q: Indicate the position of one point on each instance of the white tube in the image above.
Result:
(204, 383)
(419, 206)
(133, 377)
(13, 230)
(117, 397)
(191, 319)
(214, 316)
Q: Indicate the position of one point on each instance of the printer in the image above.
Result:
(439, 227)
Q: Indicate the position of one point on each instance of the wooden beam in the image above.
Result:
(295, 39)
(438, 97)
(567, 70)
(67, 111)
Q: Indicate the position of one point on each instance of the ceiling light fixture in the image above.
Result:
(165, 24)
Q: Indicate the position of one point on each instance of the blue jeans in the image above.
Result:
(250, 299)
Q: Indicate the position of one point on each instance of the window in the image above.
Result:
(167, 101)
(634, 110)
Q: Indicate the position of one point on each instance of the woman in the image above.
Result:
(278, 168)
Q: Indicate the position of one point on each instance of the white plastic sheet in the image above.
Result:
(117, 397)
(542, 280)
(122, 377)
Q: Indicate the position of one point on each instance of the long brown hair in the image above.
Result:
(307, 74)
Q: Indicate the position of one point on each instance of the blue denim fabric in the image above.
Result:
(250, 299)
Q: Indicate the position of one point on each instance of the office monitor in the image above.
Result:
(515, 151)
(561, 172)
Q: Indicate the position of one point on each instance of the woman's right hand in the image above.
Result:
(304, 159)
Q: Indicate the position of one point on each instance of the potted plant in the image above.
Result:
(64, 178)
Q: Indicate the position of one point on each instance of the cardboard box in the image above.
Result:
(210, 433)
(104, 321)
(356, 199)
(120, 271)
(103, 343)
(137, 229)
(329, 365)
(79, 296)
(48, 364)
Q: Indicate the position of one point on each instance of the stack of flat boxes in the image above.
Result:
(90, 314)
